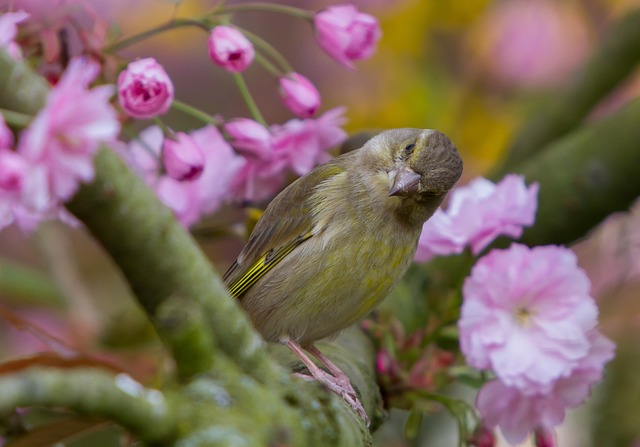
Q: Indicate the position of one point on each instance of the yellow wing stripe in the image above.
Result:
(263, 265)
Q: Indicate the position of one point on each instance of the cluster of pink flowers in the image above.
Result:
(476, 215)
(528, 316)
(54, 154)
(195, 173)
(191, 171)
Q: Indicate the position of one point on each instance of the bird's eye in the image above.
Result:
(408, 150)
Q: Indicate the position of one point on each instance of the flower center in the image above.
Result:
(523, 316)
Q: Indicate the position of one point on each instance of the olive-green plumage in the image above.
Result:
(334, 243)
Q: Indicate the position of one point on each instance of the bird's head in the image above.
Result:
(424, 163)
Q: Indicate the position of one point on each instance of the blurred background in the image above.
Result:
(471, 69)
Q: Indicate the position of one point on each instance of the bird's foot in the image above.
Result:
(335, 380)
(340, 385)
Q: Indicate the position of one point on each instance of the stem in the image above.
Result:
(173, 24)
(268, 65)
(166, 130)
(269, 49)
(195, 112)
(246, 95)
(16, 118)
(269, 7)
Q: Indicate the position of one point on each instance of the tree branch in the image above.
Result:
(91, 392)
(584, 177)
(613, 61)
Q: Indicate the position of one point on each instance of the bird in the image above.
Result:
(332, 245)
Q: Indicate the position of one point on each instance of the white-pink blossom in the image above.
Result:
(526, 314)
(60, 142)
(477, 214)
(518, 414)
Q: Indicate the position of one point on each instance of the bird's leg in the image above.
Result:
(337, 381)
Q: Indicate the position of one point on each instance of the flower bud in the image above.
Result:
(299, 95)
(347, 34)
(482, 437)
(543, 437)
(230, 49)
(182, 158)
(250, 137)
(145, 90)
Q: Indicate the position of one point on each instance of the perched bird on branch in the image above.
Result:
(334, 243)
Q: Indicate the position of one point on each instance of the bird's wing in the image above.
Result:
(286, 223)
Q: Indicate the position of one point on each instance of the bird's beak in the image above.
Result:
(403, 181)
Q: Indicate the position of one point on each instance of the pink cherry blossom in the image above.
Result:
(525, 315)
(299, 95)
(230, 49)
(518, 414)
(8, 29)
(477, 214)
(304, 143)
(298, 146)
(145, 90)
(250, 138)
(188, 200)
(347, 34)
(182, 158)
(60, 142)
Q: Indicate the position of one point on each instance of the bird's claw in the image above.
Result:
(343, 388)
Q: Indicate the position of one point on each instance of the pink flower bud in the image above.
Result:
(230, 49)
(250, 138)
(145, 89)
(347, 34)
(182, 158)
(299, 95)
(482, 437)
(543, 437)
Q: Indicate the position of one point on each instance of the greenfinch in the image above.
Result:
(334, 243)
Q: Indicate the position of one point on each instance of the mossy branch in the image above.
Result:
(88, 391)
(613, 61)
